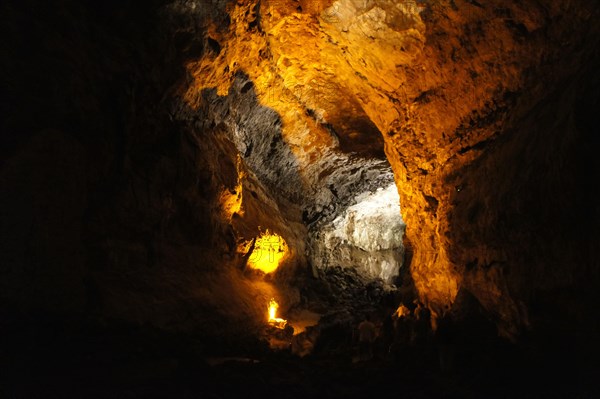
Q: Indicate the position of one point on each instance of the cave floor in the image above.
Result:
(55, 361)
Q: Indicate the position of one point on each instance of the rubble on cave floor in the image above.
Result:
(331, 307)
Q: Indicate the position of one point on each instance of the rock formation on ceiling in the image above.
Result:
(145, 146)
(456, 90)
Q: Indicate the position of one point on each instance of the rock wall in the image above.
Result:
(487, 144)
(450, 86)
(367, 237)
(143, 146)
(111, 208)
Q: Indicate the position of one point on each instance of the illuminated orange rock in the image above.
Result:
(133, 186)
(434, 83)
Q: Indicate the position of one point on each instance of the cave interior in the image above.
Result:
(206, 198)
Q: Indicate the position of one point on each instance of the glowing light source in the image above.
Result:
(269, 250)
(231, 199)
(273, 319)
(402, 311)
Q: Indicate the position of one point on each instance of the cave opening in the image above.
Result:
(301, 210)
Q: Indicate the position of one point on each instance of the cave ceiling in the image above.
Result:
(430, 86)
(152, 146)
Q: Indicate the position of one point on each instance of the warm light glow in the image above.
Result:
(269, 250)
(401, 311)
(273, 319)
(272, 309)
(231, 200)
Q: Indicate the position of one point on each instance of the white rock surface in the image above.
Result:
(366, 236)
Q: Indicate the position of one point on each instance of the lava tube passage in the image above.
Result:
(366, 236)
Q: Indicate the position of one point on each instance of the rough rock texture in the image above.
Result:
(366, 237)
(458, 90)
(307, 161)
(495, 119)
(111, 208)
(143, 146)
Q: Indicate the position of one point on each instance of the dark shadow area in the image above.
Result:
(53, 357)
(256, 132)
(355, 131)
(523, 220)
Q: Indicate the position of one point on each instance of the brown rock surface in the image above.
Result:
(459, 92)
(144, 147)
